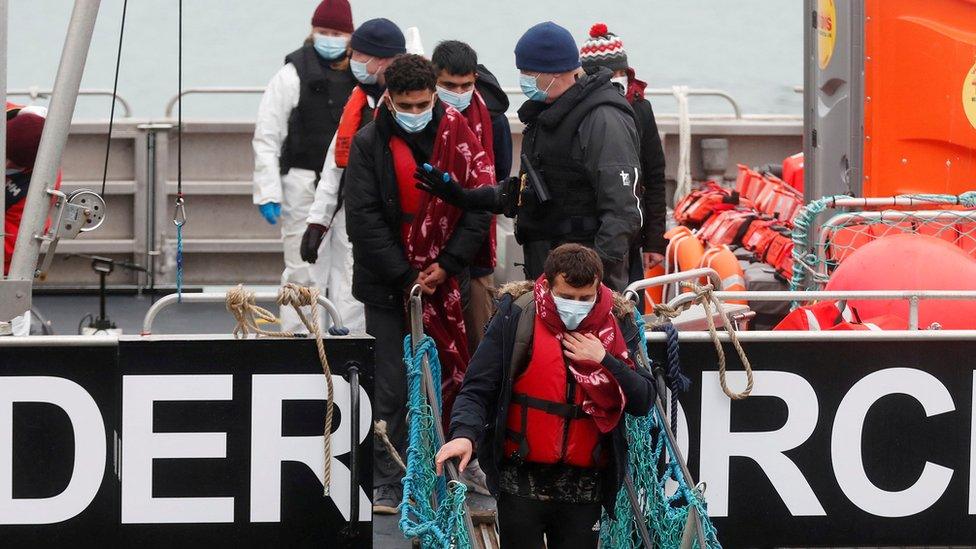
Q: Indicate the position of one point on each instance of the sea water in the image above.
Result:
(752, 49)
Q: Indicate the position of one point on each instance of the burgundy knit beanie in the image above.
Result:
(333, 14)
(23, 138)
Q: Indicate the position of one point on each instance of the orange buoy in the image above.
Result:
(654, 294)
(684, 250)
(910, 262)
(724, 262)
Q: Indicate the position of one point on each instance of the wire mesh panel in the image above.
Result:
(818, 251)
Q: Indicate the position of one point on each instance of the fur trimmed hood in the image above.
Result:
(621, 305)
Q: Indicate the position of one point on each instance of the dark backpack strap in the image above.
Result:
(524, 330)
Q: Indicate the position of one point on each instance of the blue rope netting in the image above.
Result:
(665, 515)
(653, 463)
(443, 527)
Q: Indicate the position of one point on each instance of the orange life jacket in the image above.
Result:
(546, 422)
(695, 208)
(349, 123)
(748, 182)
(405, 165)
(728, 227)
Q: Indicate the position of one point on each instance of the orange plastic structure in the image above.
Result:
(919, 97)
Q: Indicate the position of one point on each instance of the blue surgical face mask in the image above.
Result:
(459, 101)
(413, 123)
(361, 73)
(329, 48)
(571, 311)
(530, 87)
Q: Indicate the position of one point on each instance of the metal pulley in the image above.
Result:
(81, 211)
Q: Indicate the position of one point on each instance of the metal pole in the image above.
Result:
(638, 513)
(3, 128)
(913, 312)
(416, 331)
(55, 135)
(354, 449)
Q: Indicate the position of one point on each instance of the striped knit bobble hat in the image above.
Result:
(603, 49)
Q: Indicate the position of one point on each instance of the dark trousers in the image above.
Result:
(522, 523)
(637, 273)
(615, 275)
(388, 326)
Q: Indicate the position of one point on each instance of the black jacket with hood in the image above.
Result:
(381, 273)
(481, 409)
(603, 150)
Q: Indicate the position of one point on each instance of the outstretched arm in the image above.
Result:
(489, 198)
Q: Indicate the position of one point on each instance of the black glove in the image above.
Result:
(509, 196)
(311, 240)
(441, 185)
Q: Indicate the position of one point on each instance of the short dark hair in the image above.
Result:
(410, 72)
(577, 263)
(455, 57)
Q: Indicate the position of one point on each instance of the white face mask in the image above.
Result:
(620, 81)
(571, 311)
(459, 101)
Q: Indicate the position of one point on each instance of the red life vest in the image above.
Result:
(546, 422)
(405, 166)
(349, 123)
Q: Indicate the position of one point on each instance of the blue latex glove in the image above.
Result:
(271, 211)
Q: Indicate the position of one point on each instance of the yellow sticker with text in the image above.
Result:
(826, 31)
(969, 96)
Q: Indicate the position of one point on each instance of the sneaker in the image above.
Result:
(474, 478)
(386, 499)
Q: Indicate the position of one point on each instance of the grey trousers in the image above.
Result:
(388, 326)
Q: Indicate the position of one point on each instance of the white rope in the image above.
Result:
(683, 176)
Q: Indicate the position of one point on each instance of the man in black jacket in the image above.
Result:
(581, 137)
(470, 88)
(549, 459)
(605, 49)
(381, 201)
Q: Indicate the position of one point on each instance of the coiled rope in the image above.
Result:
(684, 143)
(704, 296)
(677, 381)
(241, 304)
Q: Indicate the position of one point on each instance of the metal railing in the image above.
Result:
(226, 90)
(662, 92)
(914, 297)
(668, 92)
(170, 300)
(35, 93)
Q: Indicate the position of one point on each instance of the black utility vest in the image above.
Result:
(572, 214)
(313, 123)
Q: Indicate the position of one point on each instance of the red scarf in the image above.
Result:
(457, 152)
(603, 399)
(479, 120)
(635, 87)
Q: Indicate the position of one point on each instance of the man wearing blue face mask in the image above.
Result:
(402, 237)
(325, 243)
(581, 138)
(298, 115)
(470, 88)
(543, 400)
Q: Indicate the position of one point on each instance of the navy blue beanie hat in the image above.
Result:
(380, 38)
(547, 48)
